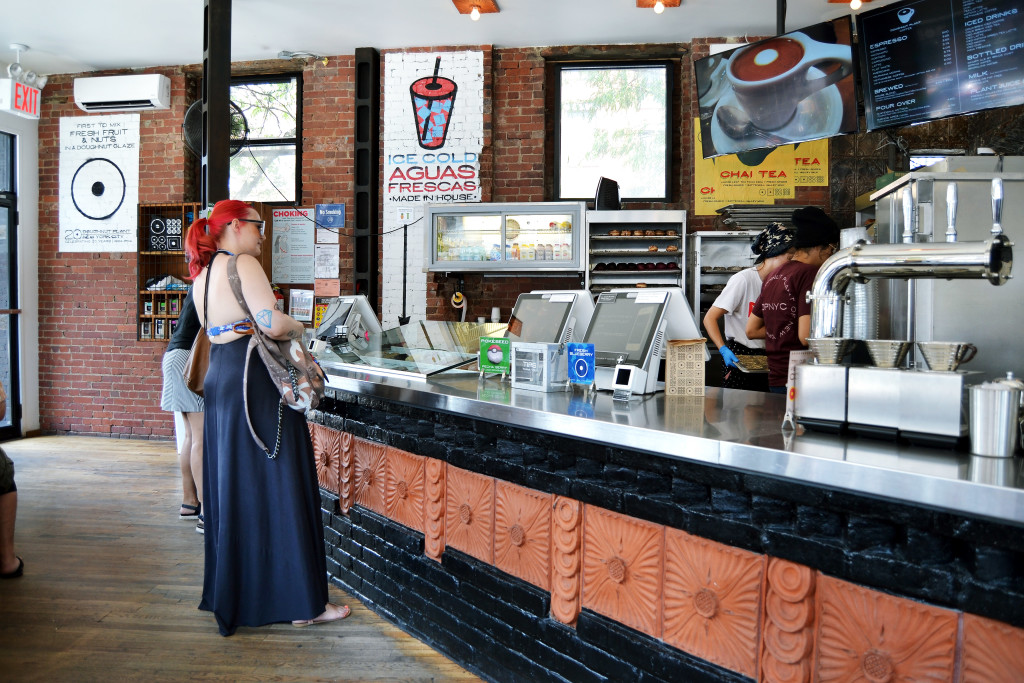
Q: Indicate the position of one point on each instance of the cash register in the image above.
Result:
(631, 327)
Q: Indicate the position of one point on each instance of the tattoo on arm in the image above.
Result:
(295, 334)
(264, 317)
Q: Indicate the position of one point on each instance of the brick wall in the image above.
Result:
(94, 377)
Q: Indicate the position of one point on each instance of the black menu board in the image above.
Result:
(928, 59)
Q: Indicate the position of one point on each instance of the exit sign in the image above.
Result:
(19, 98)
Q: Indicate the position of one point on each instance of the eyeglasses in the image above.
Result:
(832, 248)
(260, 225)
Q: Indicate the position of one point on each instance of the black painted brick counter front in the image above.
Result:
(945, 559)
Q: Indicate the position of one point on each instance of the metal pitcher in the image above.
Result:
(997, 418)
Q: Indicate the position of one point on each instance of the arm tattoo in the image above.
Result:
(295, 334)
(264, 317)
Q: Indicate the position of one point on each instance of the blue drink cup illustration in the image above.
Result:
(432, 100)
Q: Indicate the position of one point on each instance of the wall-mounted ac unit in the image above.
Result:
(121, 93)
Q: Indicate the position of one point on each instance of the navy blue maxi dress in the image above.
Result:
(264, 537)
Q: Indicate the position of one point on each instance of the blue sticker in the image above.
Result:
(581, 363)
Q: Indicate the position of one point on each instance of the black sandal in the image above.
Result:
(191, 515)
(17, 572)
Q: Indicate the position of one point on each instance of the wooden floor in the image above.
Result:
(113, 578)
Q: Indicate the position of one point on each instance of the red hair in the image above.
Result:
(204, 233)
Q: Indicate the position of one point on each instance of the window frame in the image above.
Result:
(670, 68)
(249, 79)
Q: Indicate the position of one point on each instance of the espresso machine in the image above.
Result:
(915, 388)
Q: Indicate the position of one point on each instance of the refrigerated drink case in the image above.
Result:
(539, 236)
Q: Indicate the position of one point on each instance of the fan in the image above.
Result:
(192, 129)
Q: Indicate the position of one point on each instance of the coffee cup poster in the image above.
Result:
(791, 88)
(433, 137)
(99, 183)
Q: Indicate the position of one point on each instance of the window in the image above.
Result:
(266, 169)
(613, 120)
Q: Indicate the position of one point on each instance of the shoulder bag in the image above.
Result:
(292, 369)
(199, 357)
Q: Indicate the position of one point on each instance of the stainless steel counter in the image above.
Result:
(727, 427)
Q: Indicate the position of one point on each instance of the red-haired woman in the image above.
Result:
(264, 537)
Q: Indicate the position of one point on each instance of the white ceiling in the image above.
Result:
(70, 36)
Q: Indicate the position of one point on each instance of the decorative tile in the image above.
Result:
(433, 507)
(469, 518)
(346, 472)
(992, 651)
(566, 557)
(787, 636)
(522, 533)
(622, 559)
(712, 600)
(370, 463)
(865, 635)
(403, 489)
(327, 451)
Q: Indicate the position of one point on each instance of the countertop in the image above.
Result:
(726, 427)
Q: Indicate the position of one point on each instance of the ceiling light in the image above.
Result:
(854, 4)
(657, 5)
(18, 73)
(474, 8)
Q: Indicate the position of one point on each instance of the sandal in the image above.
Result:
(189, 515)
(17, 572)
(343, 611)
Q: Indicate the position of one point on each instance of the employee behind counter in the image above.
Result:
(781, 315)
(773, 247)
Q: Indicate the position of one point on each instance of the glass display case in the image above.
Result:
(417, 350)
(539, 236)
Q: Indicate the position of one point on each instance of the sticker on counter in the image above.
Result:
(581, 363)
(494, 355)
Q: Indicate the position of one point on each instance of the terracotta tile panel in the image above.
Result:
(327, 451)
(522, 533)
(566, 558)
(433, 508)
(864, 635)
(622, 561)
(370, 463)
(713, 601)
(992, 651)
(403, 489)
(787, 632)
(469, 517)
(346, 472)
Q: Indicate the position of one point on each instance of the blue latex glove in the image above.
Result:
(729, 357)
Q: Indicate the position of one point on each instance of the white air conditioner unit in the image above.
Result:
(123, 93)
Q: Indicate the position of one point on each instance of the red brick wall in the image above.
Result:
(94, 376)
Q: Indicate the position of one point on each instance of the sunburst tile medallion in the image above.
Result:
(622, 559)
(522, 533)
(469, 516)
(403, 490)
(370, 466)
(712, 600)
(992, 651)
(327, 450)
(864, 635)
